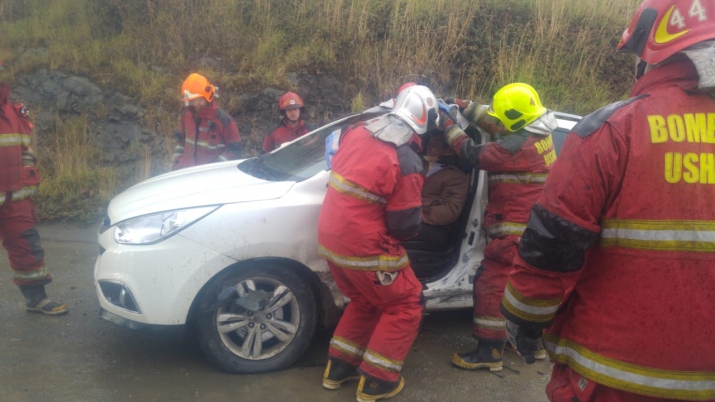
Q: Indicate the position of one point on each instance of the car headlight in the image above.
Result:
(153, 228)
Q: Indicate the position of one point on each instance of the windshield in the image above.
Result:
(302, 158)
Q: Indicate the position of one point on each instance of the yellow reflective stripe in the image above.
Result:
(518, 178)
(204, 144)
(347, 347)
(39, 273)
(691, 236)
(345, 186)
(489, 322)
(377, 360)
(25, 192)
(2, 198)
(689, 385)
(15, 139)
(506, 229)
(371, 263)
(534, 310)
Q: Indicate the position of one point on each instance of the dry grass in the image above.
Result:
(467, 48)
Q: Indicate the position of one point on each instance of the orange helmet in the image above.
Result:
(290, 100)
(661, 28)
(196, 86)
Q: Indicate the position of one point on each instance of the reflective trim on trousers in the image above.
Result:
(529, 309)
(381, 362)
(347, 347)
(31, 275)
(688, 385)
(493, 323)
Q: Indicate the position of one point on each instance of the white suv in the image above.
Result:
(231, 248)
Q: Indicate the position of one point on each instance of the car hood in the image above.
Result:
(212, 184)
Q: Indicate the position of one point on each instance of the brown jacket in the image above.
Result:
(443, 195)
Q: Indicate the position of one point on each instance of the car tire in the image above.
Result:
(230, 323)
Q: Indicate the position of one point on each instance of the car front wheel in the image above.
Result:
(256, 319)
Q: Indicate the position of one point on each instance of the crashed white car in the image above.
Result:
(231, 249)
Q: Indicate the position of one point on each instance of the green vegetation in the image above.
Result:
(145, 48)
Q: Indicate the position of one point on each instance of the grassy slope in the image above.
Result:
(145, 48)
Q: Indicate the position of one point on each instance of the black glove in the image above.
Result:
(525, 340)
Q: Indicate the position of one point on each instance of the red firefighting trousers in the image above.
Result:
(488, 323)
(22, 243)
(567, 385)
(380, 323)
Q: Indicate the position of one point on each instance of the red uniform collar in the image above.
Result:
(681, 73)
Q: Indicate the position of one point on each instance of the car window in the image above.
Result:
(302, 158)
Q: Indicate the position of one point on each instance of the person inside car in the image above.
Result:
(518, 163)
(443, 194)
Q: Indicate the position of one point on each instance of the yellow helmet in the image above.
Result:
(516, 105)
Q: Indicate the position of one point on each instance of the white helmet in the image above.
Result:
(417, 106)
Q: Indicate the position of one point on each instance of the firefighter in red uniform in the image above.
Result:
(18, 182)
(207, 134)
(292, 125)
(372, 204)
(617, 261)
(517, 163)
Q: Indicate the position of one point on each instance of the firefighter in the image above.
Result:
(292, 125)
(617, 261)
(18, 183)
(207, 134)
(372, 204)
(517, 163)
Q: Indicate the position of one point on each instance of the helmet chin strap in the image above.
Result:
(640, 67)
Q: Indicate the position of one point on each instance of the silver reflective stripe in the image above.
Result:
(345, 186)
(519, 177)
(541, 311)
(350, 349)
(630, 377)
(14, 139)
(380, 361)
(25, 276)
(659, 235)
(204, 144)
(490, 323)
(25, 192)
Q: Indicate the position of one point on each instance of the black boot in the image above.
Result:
(539, 353)
(371, 388)
(36, 300)
(338, 371)
(486, 355)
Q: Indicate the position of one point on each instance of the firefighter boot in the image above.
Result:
(371, 388)
(36, 300)
(539, 353)
(486, 355)
(337, 372)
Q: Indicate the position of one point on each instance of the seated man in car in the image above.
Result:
(443, 194)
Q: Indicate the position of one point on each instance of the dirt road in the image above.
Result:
(79, 357)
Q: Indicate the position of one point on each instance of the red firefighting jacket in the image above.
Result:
(373, 202)
(518, 165)
(617, 260)
(211, 135)
(285, 133)
(18, 176)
